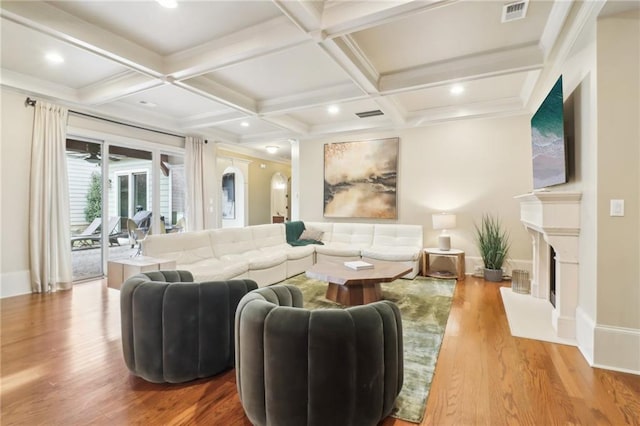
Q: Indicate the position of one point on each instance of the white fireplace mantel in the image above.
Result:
(552, 218)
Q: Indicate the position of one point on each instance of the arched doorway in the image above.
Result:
(279, 198)
(233, 207)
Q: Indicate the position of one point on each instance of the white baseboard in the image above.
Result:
(473, 262)
(585, 330)
(617, 348)
(15, 283)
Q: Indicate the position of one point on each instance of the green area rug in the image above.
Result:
(424, 304)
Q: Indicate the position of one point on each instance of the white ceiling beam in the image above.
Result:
(220, 135)
(58, 24)
(128, 113)
(305, 14)
(391, 109)
(583, 14)
(557, 17)
(262, 39)
(117, 87)
(356, 125)
(345, 52)
(208, 120)
(523, 58)
(349, 17)
(338, 93)
(267, 137)
(495, 107)
(44, 89)
(256, 149)
(288, 123)
(211, 89)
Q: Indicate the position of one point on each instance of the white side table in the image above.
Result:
(458, 255)
(121, 269)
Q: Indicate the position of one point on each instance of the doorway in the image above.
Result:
(279, 198)
(233, 198)
(84, 169)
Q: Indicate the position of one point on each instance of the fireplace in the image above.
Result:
(553, 222)
(552, 276)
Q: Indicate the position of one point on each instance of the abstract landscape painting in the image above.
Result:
(360, 179)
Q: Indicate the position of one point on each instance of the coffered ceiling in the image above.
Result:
(258, 73)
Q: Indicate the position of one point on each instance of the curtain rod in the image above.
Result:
(32, 102)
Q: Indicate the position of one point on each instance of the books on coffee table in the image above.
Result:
(358, 265)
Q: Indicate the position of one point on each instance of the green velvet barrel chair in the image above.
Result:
(175, 330)
(297, 367)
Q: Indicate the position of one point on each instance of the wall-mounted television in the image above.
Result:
(548, 142)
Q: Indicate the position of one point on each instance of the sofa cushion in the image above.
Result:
(399, 254)
(183, 247)
(231, 241)
(265, 261)
(353, 234)
(214, 269)
(258, 259)
(338, 249)
(268, 235)
(294, 253)
(311, 234)
(325, 227)
(397, 235)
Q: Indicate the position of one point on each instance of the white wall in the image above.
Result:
(466, 167)
(601, 77)
(15, 157)
(580, 88)
(617, 337)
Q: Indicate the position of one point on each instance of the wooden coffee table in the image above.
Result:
(349, 287)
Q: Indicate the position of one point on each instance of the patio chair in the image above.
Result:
(90, 235)
(114, 221)
(142, 219)
(86, 237)
(135, 233)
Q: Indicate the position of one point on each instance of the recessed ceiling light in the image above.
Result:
(148, 104)
(54, 58)
(244, 124)
(272, 149)
(333, 109)
(456, 89)
(169, 4)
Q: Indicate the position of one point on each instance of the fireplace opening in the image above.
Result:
(552, 276)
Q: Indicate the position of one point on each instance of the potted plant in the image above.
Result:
(493, 243)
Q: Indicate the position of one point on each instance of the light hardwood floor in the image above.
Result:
(62, 365)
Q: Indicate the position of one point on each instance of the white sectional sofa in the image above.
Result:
(353, 241)
(261, 252)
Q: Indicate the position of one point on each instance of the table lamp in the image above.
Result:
(444, 221)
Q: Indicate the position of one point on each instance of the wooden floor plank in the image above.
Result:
(62, 364)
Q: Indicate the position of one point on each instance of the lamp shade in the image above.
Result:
(444, 221)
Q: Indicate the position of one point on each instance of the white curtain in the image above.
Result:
(195, 192)
(49, 236)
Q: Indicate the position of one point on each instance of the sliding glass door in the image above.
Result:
(130, 199)
(118, 196)
(84, 168)
(172, 192)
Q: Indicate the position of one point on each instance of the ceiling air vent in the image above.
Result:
(366, 114)
(514, 11)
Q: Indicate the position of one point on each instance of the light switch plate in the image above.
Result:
(616, 208)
